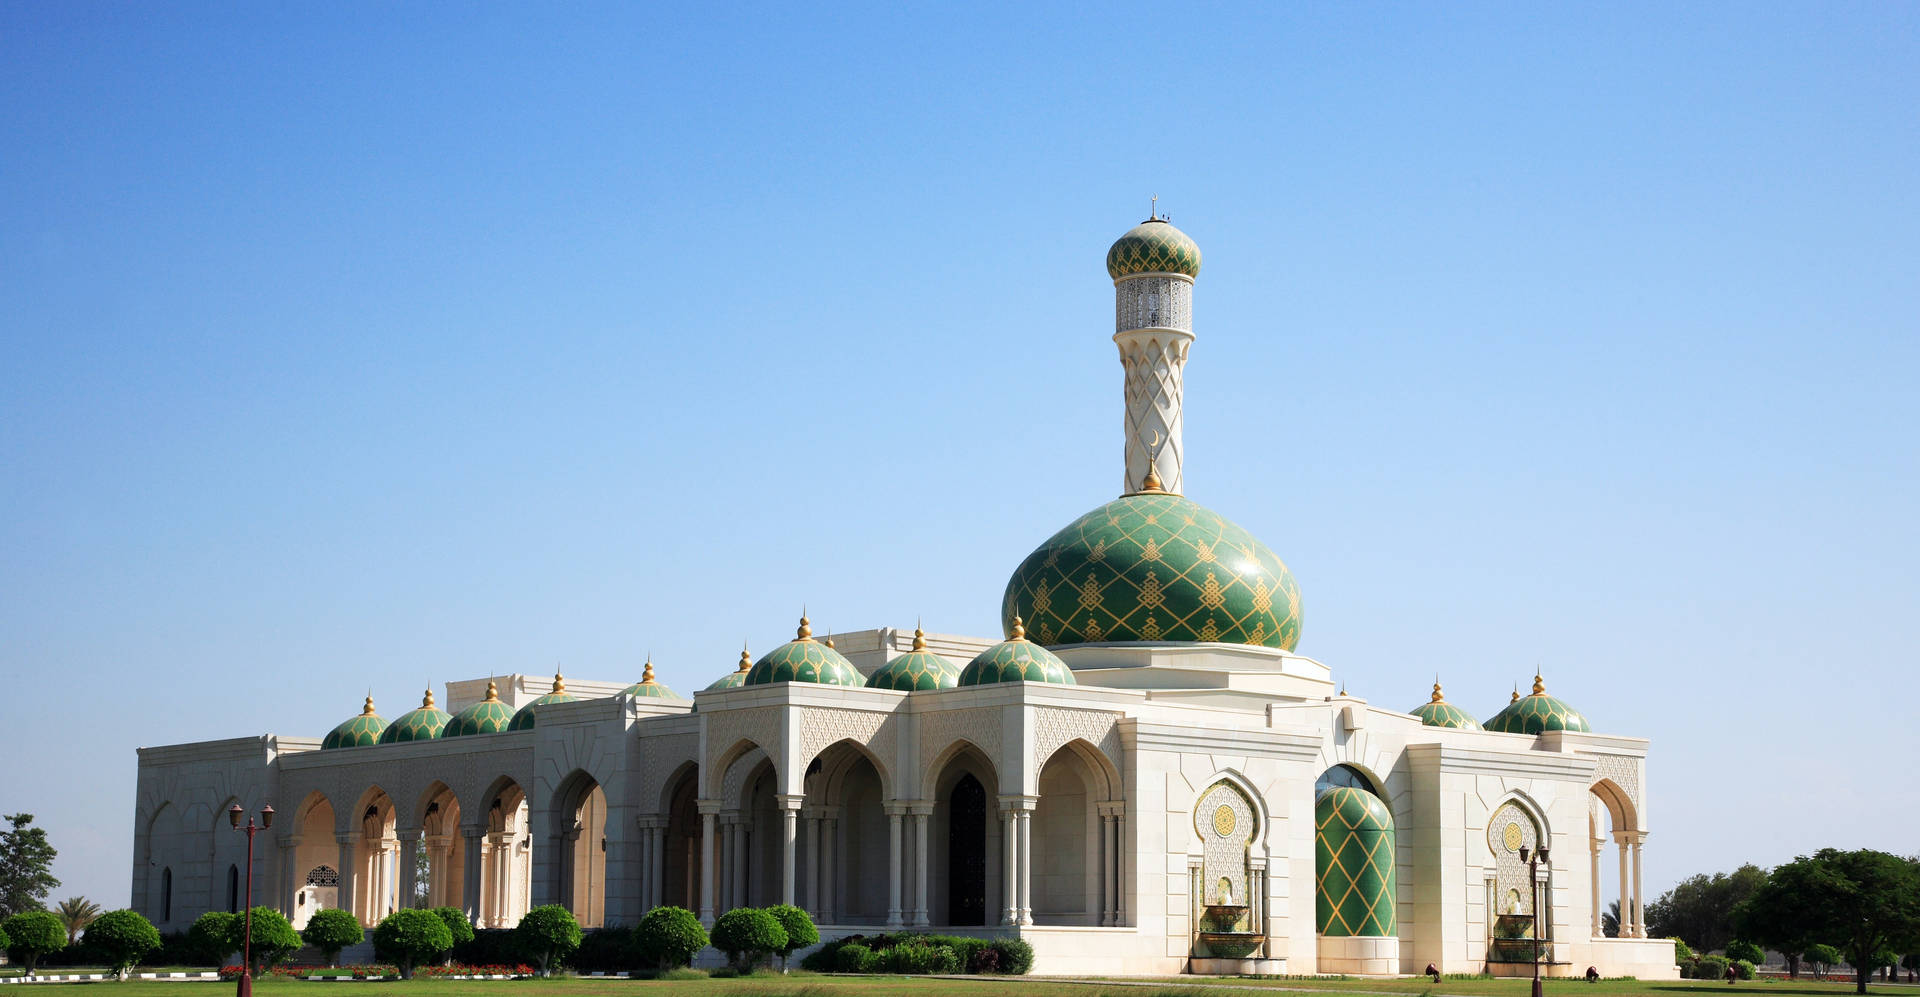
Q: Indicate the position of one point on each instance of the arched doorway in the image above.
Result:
(506, 857)
(681, 851)
(1611, 817)
(1067, 870)
(967, 852)
(376, 879)
(845, 861)
(580, 837)
(316, 857)
(441, 862)
(963, 850)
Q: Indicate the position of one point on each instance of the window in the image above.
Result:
(166, 894)
(233, 889)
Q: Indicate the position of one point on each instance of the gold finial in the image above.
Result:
(919, 637)
(559, 684)
(829, 640)
(1019, 630)
(426, 701)
(1539, 687)
(646, 674)
(1516, 695)
(1152, 484)
(1343, 689)
(1436, 691)
(746, 660)
(806, 627)
(366, 710)
(493, 692)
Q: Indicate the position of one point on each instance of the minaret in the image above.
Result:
(1153, 267)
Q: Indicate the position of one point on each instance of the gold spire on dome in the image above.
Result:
(1539, 687)
(1152, 482)
(919, 637)
(493, 692)
(746, 660)
(426, 701)
(1436, 691)
(1019, 630)
(646, 673)
(367, 709)
(806, 628)
(559, 685)
(1516, 695)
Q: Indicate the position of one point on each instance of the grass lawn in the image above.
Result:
(804, 985)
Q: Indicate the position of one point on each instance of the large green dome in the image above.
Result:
(1153, 246)
(524, 719)
(1157, 567)
(804, 659)
(1017, 659)
(488, 716)
(1440, 713)
(916, 670)
(423, 724)
(1537, 714)
(359, 732)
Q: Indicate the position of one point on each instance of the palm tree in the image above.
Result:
(1610, 921)
(76, 913)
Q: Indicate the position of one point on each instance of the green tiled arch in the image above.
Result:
(1016, 660)
(1353, 864)
(915, 671)
(360, 732)
(1153, 246)
(1154, 567)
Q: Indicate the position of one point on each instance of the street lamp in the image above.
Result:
(246, 939)
(1533, 858)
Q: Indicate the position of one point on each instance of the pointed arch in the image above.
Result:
(724, 762)
(1235, 778)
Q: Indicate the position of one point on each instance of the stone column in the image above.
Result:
(1026, 864)
(789, 833)
(1107, 874)
(1639, 922)
(829, 867)
(742, 864)
(894, 814)
(709, 809)
(470, 874)
(1626, 887)
(348, 873)
(813, 866)
(1009, 865)
(1599, 928)
(1120, 864)
(922, 813)
(409, 867)
(725, 868)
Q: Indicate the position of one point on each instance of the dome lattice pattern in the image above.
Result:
(423, 724)
(1537, 714)
(1440, 713)
(916, 670)
(1017, 659)
(1153, 246)
(525, 720)
(360, 732)
(1353, 862)
(1155, 567)
(489, 716)
(804, 659)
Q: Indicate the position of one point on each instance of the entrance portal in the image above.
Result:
(967, 853)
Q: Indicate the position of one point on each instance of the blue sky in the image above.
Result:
(372, 346)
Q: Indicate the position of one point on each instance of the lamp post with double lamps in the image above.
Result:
(1533, 859)
(246, 938)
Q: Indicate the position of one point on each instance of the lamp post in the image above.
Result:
(1533, 858)
(246, 938)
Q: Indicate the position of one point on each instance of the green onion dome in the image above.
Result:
(916, 670)
(360, 732)
(648, 687)
(1353, 864)
(423, 724)
(1153, 246)
(489, 716)
(1158, 567)
(1440, 713)
(738, 677)
(1016, 659)
(523, 720)
(1537, 713)
(804, 659)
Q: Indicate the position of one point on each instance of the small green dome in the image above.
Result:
(1016, 659)
(804, 659)
(648, 687)
(489, 716)
(916, 670)
(1153, 246)
(423, 724)
(1440, 713)
(360, 732)
(1537, 713)
(523, 720)
(1157, 567)
(738, 677)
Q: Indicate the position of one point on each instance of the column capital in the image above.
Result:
(409, 834)
(647, 822)
(346, 839)
(708, 808)
(895, 808)
(921, 807)
(1112, 808)
(791, 802)
(1018, 803)
(290, 841)
(473, 833)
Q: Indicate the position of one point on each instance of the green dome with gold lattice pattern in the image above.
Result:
(916, 670)
(1536, 714)
(359, 732)
(738, 677)
(525, 720)
(1353, 859)
(804, 659)
(488, 716)
(1017, 659)
(1153, 246)
(1156, 567)
(1440, 713)
(423, 724)
(649, 687)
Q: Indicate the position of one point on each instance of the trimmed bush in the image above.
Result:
(1682, 953)
(409, 937)
(210, 938)
(799, 927)
(331, 930)
(1710, 967)
(910, 959)
(457, 926)
(122, 938)
(668, 937)
(1739, 950)
(548, 934)
(849, 958)
(748, 936)
(273, 938)
(984, 961)
(32, 934)
(1744, 968)
(5, 942)
(1015, 955)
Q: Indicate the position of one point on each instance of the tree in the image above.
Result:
(26, 867)
(1862, 903)
(213, 936)
(273, 938)
(457, 926)
(1739, 949)
(76, 913)
(122, 938)
(5, 942)
(32, 934)
(799, 928)
(332, 929)
(668, 937)
(748, 936)
(1823, 958)
(410, 936)
(1610, 920)
(1700, 908)
(548, 934)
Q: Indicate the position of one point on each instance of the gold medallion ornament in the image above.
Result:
(1224, 821)
(1512, 837)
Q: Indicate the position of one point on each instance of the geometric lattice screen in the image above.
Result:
(1353, 864)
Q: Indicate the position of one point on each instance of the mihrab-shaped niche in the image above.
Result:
(1227, 823)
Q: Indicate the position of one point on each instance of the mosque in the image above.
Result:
(1139, 776)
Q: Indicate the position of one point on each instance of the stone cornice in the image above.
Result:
(1518, 764)
(1141, 734)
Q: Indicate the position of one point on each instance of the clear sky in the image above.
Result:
(367, 346)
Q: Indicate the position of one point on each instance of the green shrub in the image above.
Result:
(122, 938)
(984, 961)
(210, 938)
(548, 934)
(848, 958)
(32, 934)
(1710, 967)
(409, 937)
(458, 926)
(1015, 956)
(799, 928)
(875, 961)
(1738, 950)
(748, 936)
(668, 937)
(5, 942)
(1682, 954)
(603, 950)
(1744, 968)
(273, 938)
(910, 959)
(1823, 958)
(329, 930)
